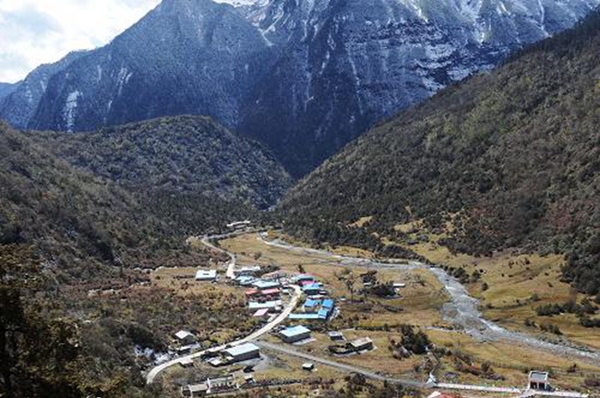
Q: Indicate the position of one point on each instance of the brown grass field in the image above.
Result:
(510, 278)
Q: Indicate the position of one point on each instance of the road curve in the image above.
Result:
(154, 372)
(151, 376)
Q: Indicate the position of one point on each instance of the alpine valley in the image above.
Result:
(307, 198)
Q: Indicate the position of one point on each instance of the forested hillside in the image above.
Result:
(188, 155)
(66, 233)
(510, 159)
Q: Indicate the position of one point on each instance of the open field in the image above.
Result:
(379, 359)
(508, 360)
(509, 278)
(511, 286)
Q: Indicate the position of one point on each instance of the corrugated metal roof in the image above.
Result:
(538, 376)
(241, 349)
(310, 303)
(258, 306)
(295, 331)
(329, 303)
(261, 313)
(303, 316)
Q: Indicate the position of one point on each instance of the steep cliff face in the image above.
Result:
(303, 76)
(184, 57)
(19, 104)
(347, 64)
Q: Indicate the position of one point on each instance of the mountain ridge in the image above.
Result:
(182, 154)
(306, 77)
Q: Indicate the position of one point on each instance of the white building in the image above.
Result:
(184, 337)
(295, 334)
(206, 275)
(242, 352)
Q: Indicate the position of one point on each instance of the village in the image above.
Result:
(300, 315)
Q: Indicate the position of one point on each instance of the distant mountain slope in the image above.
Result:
(511, 158)
(185, 155)
(20, 105)
(68, 213)
(184, 57)
(86, 224)
(6, 89)
(305, 77)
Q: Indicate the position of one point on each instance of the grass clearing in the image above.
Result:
(512, 280)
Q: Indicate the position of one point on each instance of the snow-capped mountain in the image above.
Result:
(305, 76)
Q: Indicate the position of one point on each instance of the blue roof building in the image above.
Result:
(324, 313)
(311, 304)
(328, 303)
(262, 285)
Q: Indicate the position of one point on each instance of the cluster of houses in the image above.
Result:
(318, 305)
(263, 294)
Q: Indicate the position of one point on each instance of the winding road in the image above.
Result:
(462, 310)
(154, 372)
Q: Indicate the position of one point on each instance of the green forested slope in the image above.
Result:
(66, 233)
(512, 157)
(183, 154)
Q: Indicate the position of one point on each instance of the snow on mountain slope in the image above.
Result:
(304, 76)
(349, 63)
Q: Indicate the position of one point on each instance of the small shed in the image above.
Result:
(336, 336)
(308, 366)
(195, 390)
(222, 384)
(184, 337)
(261, 313)
(186, 362)
(362, 344)
(295, 334)
(539, 381)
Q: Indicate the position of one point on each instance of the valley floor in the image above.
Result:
(466, 357)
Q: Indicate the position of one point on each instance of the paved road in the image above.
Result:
(255, 335)
(206, 241)
(337, 365)
(462, 310)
